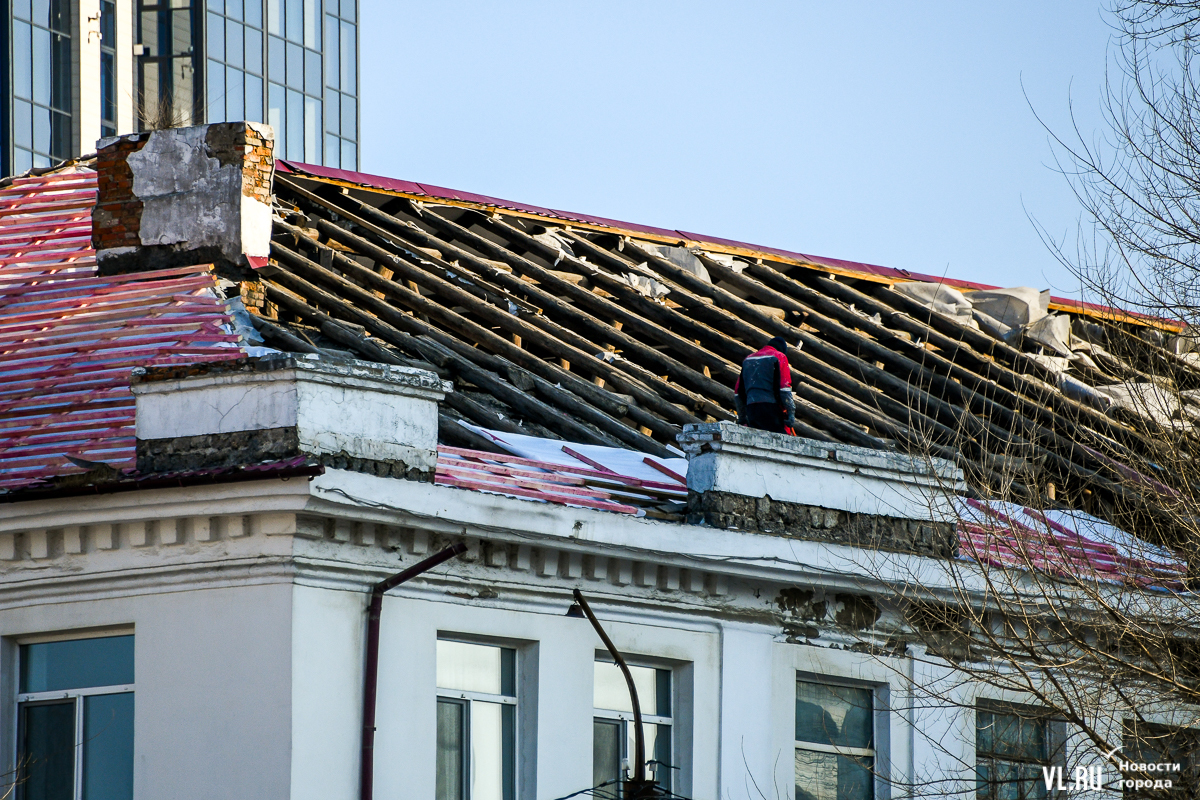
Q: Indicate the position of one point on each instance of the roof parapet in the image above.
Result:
(349, 415)
(755, 480)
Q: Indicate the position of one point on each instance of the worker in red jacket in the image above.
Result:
(764, 390)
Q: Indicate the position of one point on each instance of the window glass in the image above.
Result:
(277, 55)
(472, 667)
(275, 17)
(612, 692)
(349, 9)
(476, 752)
(75, 718)
(347, 53)
(233, 9)
(451, 750)
(254, 13)
(254, 98)
(48, 747)
(216, 90)
(312, 24)
(312, 73)
(349, 118)
(349, 154)
(108, 746)
(77, 664)
(294, 20)
(275, 104)
(1011, 747)
(614, 742)
(216, 37)
(295, 66)
(295, 125)
(835, 741)
(22, 54)
(332, 64)
(833, 715)
(333, 151)
(254, 48)
(312, 130)
(234, 47)
(21, 9)
(235, 107)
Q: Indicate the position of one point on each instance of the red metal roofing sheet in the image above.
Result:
(69, 337)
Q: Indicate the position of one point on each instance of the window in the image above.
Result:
(234, 60)
(1012, 745)
(295, 100)
(476, 721)
(613, 730)
(341, 84)
(168, 94)
(75, 726)
(1147, 743)
(835, 742)
(108, 68)
(42, 119)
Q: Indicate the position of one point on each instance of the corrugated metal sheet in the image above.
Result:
(69, 337)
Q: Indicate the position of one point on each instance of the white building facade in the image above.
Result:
(232, 615)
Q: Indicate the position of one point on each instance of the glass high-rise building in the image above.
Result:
(74, 71)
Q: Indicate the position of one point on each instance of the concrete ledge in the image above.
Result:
(735, 460)
(369, 417)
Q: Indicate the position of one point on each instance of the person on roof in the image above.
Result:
(763, 394)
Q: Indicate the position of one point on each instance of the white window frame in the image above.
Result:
(501, 699)
(626, 717)
(75, 695)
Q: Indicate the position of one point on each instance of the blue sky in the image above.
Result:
(896, 134)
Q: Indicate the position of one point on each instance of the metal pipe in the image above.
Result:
(367, 775)
(638, 783)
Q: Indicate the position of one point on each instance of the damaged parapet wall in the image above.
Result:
(752, 480)
(184, 196)
(348, 415)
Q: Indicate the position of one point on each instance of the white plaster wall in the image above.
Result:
(213, 686)
(126, 103)
(87, 39)
(226, 407)
(365, 422)
(563, 650)
(328, 637)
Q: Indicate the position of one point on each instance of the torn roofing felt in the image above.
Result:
(597, 332)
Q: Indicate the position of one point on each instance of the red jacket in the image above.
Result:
(766, 375)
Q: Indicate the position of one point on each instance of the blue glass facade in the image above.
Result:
(39, 83)
(291, 63)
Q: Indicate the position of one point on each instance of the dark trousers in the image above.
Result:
(765, 417)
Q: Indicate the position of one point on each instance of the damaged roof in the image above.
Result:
(588, 330)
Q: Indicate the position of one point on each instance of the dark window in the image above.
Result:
(168, 91)
(1146, 743)
(835, 742)
(1012, 746)
(108, 68)
(75, 702)
(613, 731)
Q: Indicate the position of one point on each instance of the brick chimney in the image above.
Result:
(184, 196)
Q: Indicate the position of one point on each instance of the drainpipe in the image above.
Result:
(637, 787)
(367, 775)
